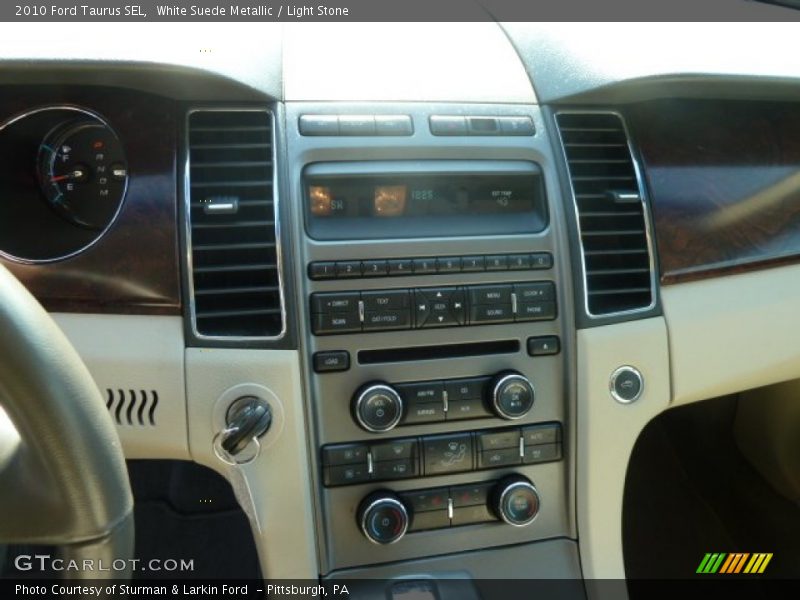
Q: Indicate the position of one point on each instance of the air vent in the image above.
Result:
(232, 223)
(132, 407)
(609, 202)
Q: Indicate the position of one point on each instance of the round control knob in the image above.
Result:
(383, 518)
(377, 407)
(512, 395)
(515, 501)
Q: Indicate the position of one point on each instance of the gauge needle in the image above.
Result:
(76, 174)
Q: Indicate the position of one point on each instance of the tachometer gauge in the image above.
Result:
(83, 173)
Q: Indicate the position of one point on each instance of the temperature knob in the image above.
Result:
(383, 518)
(511, 395)
(515, 500)
(377, 407)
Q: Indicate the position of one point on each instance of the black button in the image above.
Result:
(469, 515)
(500, 439)
(346, 302)
(448, 453)
(423, 392)
(473, 263)
(517, 126)
(429, 412)
(490, 294)
(627, 384)
(440, 307)
(536, 311)
(542, 260)
(385, 300)
(427, 500)
(541, 453)
(497, 263)
(434, 519)
(470, 495)
(356, 125)
(324, 324)
(393, 125)
(535, 292)
(518, 262)
(385, 320)
(400, 266)
(385, 522)
(394, 450)
(322, 270)
(379, 409)
(424, 266)
(487, 313)
(348, 268)
(451, 264)
(447, 125)
(374, 268)
(549, 433)
(334, 360)
(319, 125)
(395, 469)
(465, 389)
(346, 474)
(471, 408)
(345, 454)
(543, 346)
(515, 397)
(489, 459)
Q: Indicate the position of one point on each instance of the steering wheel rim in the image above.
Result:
(63, 479)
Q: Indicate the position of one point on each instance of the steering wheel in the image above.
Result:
(63, 479)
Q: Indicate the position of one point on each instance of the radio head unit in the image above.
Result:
(379, 200)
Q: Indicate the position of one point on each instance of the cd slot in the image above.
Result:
(416, 353)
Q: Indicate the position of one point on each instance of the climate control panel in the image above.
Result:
(347, 464)
(384, 517)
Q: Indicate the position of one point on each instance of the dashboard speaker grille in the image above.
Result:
(235, 275)
(610, 208)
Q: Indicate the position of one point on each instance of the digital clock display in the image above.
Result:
(424, 204)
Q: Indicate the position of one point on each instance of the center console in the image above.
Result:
(437, 329)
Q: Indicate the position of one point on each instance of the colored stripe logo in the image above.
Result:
(734, 563)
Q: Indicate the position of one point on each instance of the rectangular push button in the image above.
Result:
(543, 346)
(436, 519)
(325, 324)
(448, 453)
(535, 435)
(427, 500)
(469, 515)
(465, 389)
(346, 302)
(386, 300)
(500, 439)
(319, 125)
(394, 450)
(395, 469)
(471, 408)
(332, 361)
(542, 453)
(346, 454)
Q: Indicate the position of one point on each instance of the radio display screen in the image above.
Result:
(362, 206)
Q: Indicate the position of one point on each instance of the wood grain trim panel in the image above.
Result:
(134, 268)
(724, 181)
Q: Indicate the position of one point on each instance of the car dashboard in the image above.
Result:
(464, 274)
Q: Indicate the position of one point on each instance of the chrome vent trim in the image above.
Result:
(228, 141)
(611, 212)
